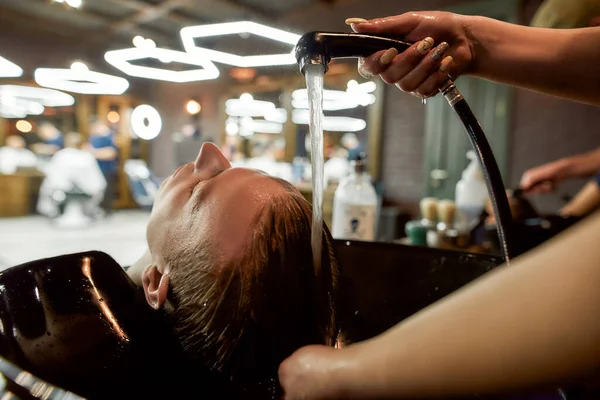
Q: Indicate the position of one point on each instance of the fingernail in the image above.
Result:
(446, 62)
(350, 21)
(439, 51)
(425, 45)
(362, 70)
(388, 56)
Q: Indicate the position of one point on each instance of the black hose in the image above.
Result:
(491, 174)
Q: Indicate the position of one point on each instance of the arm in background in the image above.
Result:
(545, 177)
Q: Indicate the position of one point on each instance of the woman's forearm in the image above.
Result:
(559, 62)
(533, 323)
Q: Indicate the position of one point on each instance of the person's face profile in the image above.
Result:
(208, 197)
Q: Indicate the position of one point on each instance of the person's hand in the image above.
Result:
(309, 373)
(441, 48)
(545, 178)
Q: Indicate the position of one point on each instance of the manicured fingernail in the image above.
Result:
(439, 51)
(388, 56)
(362, 70)
(446, 62)
(350, 21)
(425, 45)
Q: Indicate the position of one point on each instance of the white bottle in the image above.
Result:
(355, 205)
(471, 194)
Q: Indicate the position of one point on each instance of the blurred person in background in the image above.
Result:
(545, 178)
(351, 143)
(15, 155)
(50, 140)
(102, 145)
(72, 170)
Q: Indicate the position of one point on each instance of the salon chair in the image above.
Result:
(72, 208)
(142, 182)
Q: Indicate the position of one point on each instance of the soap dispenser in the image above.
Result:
(471, 194)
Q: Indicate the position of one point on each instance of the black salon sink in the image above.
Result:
(384, 283)
(78, 321)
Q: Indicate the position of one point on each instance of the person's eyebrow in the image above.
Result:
(197, 202)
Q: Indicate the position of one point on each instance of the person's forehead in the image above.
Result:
(238, 208)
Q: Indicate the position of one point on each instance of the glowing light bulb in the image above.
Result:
(138, 41)
(74, 3)
(113, 117)
(79, 67)
(149, 44)
(246, 97)
(232, 129)
(23, 126)
(193, 107)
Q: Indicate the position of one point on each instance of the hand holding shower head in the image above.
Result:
(321, 47)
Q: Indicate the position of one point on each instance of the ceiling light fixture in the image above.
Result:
(146, 122)
(332, 124)
(74, 3)
(9, 69)
(47, 97)
(79, 79)
(18, 101)
(190, 33)
(335, 100)
(121, 59)
(260, 126)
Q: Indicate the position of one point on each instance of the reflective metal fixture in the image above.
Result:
(190, 33)
(79, 79)
(146, 49)
(8, 69)
(17, 101)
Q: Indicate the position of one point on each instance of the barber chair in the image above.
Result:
(72, 208)
(78, 322)
(142, 182)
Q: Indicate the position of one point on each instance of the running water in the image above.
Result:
(314, 84)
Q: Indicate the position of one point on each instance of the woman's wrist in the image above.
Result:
(469, 26)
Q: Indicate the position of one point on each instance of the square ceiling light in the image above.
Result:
(190, 33)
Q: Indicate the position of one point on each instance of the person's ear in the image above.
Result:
(156, 286)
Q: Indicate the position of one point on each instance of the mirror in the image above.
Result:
(269, 118)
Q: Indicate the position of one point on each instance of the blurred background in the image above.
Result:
(102, 99)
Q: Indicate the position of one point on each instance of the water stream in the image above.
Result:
(314, 83)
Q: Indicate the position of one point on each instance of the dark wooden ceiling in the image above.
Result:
(117, 21)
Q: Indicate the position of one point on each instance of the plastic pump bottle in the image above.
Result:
(471, 194)
(355, 205)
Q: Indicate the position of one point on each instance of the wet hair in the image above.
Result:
(243, 318)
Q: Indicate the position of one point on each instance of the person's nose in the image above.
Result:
(210, 159)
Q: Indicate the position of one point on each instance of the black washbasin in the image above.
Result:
(384, 283)
(77, 321)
